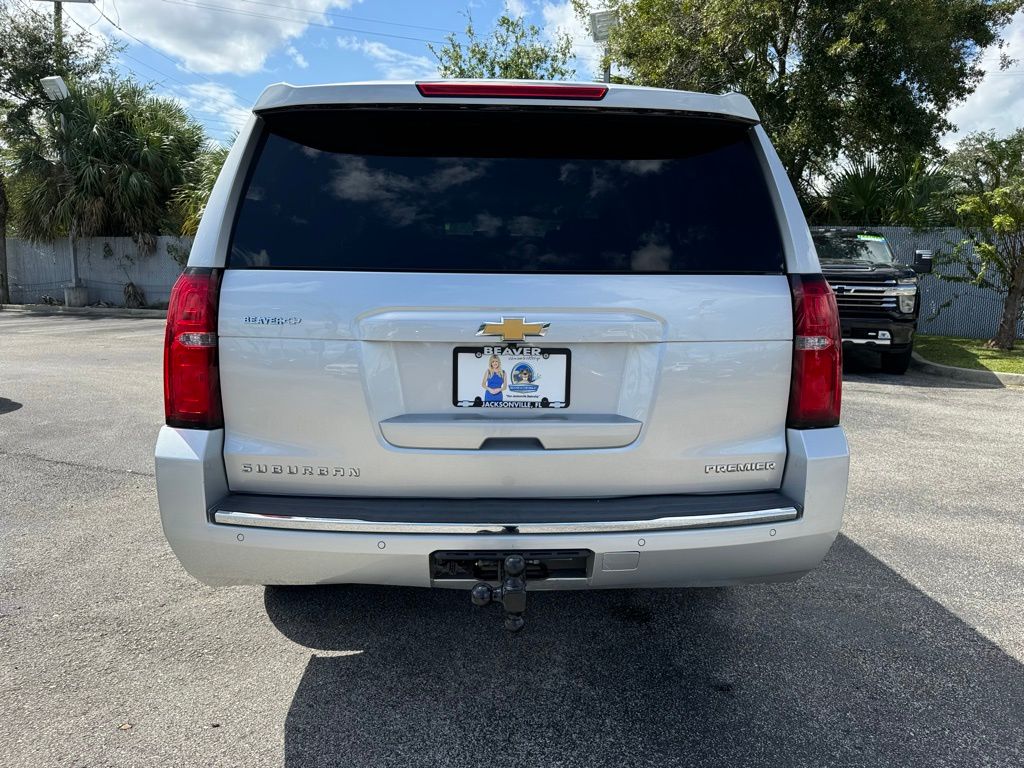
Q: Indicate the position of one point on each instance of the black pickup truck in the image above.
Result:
(878, 298)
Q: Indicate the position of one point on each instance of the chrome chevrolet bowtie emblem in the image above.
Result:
(513, 329)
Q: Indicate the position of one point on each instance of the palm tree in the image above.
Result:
(200, 175)
(859, 193)
(919, 189)
(108, 165)
(894, 192)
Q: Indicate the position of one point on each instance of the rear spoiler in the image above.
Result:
(281, 96)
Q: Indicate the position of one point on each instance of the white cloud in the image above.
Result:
(392, 63)
(516, 7)
(213, 102)
(560, 18)
(237, 39)
(998, 103)
(298, 58)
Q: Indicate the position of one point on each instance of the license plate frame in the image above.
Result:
(543, 363)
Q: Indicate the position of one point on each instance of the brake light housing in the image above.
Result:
(491, 90)
(815, 393)
(191, 372)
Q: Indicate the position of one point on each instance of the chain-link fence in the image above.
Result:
(947, 308)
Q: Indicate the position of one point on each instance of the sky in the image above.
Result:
(216, 56)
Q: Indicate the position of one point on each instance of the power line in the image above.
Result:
(272, 17)
(225, 104)
(376, 21)
(254, 14)
(158, 52)
(227, 129)
(350, 16)
(222, 102)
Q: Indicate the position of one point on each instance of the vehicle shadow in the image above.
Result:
(850, 666)
(8, 406)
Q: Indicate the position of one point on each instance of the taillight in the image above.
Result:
(816, 388)
(191, 377)
(490, 90)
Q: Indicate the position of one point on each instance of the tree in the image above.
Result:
(858, 193)
(988, 193)
(893, 192)
(200, 175)
(514, 50)
(28, 53)
(918, 189)
(829, 78)
(108, 164)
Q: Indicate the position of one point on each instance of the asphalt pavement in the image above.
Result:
(905, 648)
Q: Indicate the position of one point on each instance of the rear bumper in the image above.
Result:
(771, 547)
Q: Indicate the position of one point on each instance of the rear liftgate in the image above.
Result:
(501, 577)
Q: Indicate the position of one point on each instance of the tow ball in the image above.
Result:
(511, 594)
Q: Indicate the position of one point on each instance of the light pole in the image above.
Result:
(76, 294)
(601, 24)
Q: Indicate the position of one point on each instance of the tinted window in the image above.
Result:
(474, 190)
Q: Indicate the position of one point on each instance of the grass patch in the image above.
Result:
(969, 353)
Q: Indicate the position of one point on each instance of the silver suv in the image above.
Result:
(501, 336)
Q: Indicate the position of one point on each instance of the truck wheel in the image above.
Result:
(896, 362)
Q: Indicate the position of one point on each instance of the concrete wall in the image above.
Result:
(105, 264)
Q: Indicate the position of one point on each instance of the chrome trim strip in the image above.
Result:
(876, 342)
(872, 291)
(249, 519)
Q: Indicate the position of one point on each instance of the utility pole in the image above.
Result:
(58, 35)
(58, 30)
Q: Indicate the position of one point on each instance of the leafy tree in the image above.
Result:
(200, 175)
(988, 193)
(108, 164)
(514, 50)
(830, 78)
(28, 53)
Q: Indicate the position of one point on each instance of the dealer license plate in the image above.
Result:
(511, 376)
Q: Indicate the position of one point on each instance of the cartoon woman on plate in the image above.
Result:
(494, 380)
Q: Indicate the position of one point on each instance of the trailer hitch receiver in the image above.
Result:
(511, 594)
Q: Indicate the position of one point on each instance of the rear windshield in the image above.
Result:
(477, 190)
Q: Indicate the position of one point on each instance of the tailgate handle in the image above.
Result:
(480, 432)
(512, 444)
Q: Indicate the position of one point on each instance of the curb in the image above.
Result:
(47, 309)
(968, 374)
